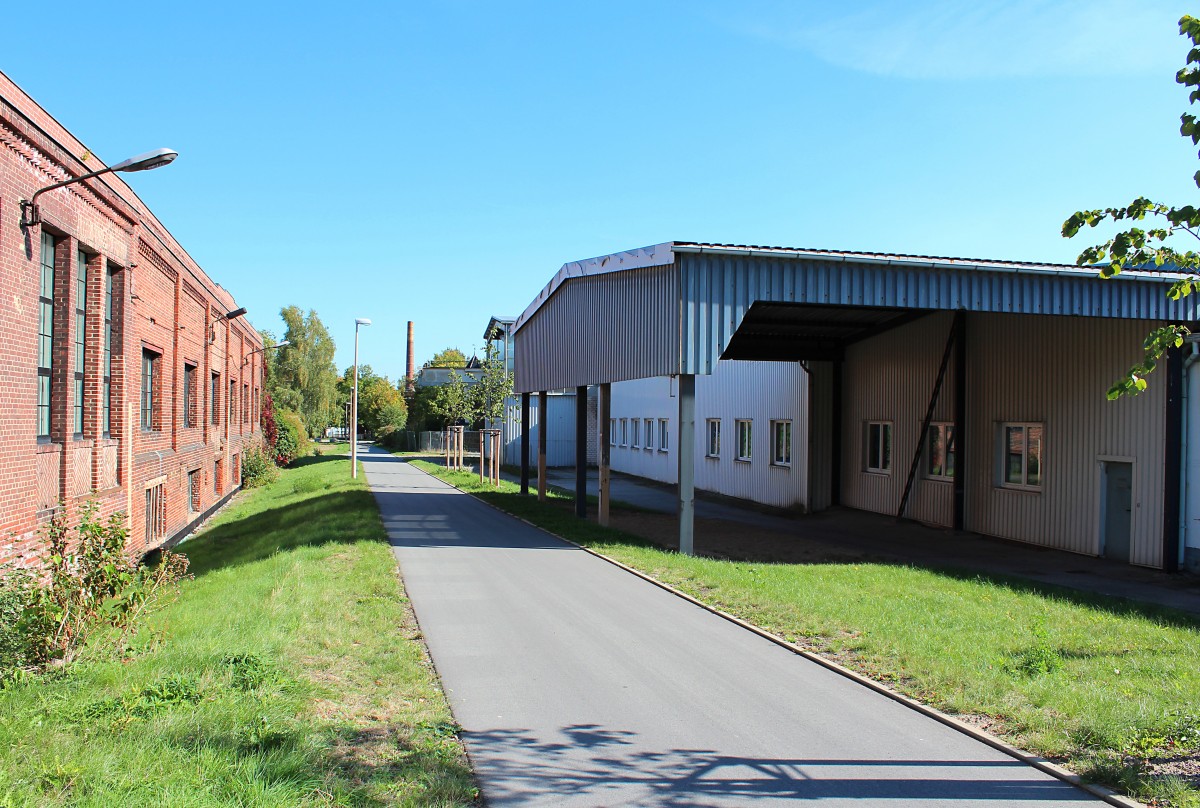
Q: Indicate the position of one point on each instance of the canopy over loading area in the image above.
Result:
(676, 309)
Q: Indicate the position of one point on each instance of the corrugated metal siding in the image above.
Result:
(718, 289)
(1020, 368)
(1057, 371)
(602, 328)
(560, 431)
(758, 391)
(890, 378)
(817, 443)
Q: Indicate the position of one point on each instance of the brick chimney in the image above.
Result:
(410, 378)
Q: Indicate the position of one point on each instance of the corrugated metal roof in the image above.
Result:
(663, 254)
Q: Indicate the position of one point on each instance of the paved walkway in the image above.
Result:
(578, 684)
(884, 538)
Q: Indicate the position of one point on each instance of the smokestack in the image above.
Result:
(411, 376)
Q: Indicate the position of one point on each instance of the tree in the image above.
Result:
(453, 402)
(495, 385)
(1145, 247)
(306, 379)
(448, 358)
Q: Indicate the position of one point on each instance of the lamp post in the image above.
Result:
(361, 321)
(30, 215)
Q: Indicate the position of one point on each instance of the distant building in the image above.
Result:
(129, 380)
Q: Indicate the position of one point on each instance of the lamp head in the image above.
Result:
(362, 321)
(283, 344)
(147, 161)
(236, 313)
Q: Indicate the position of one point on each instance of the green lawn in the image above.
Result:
(1098, 683)
(290, 672)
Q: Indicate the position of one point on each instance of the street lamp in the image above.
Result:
(275, 347)
(354, 402)
(30, 215)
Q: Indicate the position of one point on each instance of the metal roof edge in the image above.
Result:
(654, 255)
(923, 262)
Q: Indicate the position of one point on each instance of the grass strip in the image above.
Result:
(289, 673)
(1106, 687)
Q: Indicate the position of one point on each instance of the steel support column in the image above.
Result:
(605, 417)
(960, 420)
(1172, 471)
(543, 429)
(687, 462)
(525, 444)
(835, 458)
(581, 452)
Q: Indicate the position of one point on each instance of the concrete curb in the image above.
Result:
(1039, 763)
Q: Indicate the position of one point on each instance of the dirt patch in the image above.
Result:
(1185, 767)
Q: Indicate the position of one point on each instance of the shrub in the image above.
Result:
(257, 468)
(90, 583)
(292, 440)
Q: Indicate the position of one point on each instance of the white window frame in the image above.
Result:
(712, 438)
(648, 428)
(885, 439)
(1002, 457)
(664, 434)
(743, 452)
(775, 454)
(635, 436)
(624, 432)
(948, 441)
(612, 431)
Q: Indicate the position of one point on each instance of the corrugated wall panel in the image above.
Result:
(890, 378)
(560, 437)
(601, 328)
(761, 392)
(1021, 368)
(718, 289)
(1056, 371)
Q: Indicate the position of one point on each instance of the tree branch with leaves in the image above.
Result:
(1145, 247)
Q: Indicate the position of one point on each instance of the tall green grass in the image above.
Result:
(289, 672)
(1098, 682)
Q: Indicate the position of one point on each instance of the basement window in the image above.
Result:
(878, 447)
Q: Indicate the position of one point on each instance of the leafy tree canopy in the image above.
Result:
(304, 373)
(448, 358)
(1139, 246)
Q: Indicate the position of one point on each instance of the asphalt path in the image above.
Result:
(578, 684)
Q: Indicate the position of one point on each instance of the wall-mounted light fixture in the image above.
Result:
(227, 316)
(275, 347)
(30, 215)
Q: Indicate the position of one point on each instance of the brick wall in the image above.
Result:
(162, 302)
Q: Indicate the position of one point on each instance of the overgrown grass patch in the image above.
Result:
(1107, 686)
(290, 672)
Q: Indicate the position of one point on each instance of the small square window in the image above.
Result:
(1021, 455)
(713, 444)
(878, 435)
(781, 443)
(745, 439)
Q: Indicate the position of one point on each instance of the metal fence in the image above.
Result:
(436, 442)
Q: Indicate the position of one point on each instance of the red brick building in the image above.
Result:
(122, 380)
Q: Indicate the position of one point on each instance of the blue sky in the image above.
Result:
(439, 161)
